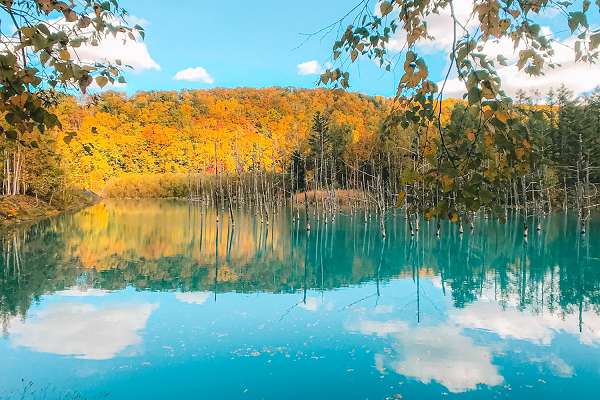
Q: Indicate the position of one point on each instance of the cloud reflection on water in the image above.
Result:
(82, 330)
(525, 325)
(192, 297)
(441, 354)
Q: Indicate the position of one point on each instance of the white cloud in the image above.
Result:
(441, 27)
(577, 76)
(312, 68)
(440, 354)
(192, 297)
(197, 74)
(132, 20)
(82, 330)
(133, 53)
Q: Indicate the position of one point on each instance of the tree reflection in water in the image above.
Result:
(171, 246)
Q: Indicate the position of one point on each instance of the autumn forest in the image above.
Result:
(175, 144)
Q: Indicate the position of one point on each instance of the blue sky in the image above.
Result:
(241, 43)
(252, 43)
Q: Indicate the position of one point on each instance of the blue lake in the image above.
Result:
(155, 299)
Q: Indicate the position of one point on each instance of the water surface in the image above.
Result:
(154, 299)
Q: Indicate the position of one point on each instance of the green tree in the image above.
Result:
(319, 142)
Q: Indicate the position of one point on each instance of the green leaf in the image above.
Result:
(486, 196)
(39, 42)
(474, 95)
(44, 57)
(576, 19)
(35, 145)
(77, 42)
(67, 139)
(594, 40)
(11, 134)
(442, 207)
(586, 5)
(539, 115)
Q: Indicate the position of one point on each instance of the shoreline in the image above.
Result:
(19, 210)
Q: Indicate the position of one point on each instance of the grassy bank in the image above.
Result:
(146, 186)
(23, 208)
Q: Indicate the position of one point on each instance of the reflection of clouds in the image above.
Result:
(443, 355)
(80, 292)
(556, 365)
(379, 328)
(526, 326)
(312, 304)
(82, 330)
(192, 297)
(438, 354)
(384, 309)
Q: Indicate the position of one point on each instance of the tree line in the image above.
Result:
(275, 146)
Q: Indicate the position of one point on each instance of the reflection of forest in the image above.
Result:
(167, 245)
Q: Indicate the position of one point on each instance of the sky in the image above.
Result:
(260, 43)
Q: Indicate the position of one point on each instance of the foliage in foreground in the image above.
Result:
(454, 164)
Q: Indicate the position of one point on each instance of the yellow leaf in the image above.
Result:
(64, 55)
(101, 81)
(401, 197)
(526, 144)
(488, 140)
(454, 217)
(502, 117)
(447, 180)
(70, 15)
(19, 100)
(386, 8)
(470, 134)
(520, 153)
(430, 214)
(488, 114)
(28, 31)
(353, 55)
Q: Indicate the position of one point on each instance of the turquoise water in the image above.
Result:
(154, 299)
